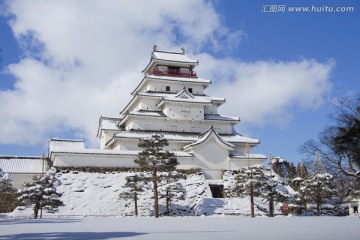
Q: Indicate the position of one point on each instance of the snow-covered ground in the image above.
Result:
(224, 228)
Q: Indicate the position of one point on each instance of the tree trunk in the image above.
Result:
(156, 197)
(318, 204)
(271, 205)
(252, 210)
(135, 201)
(167, 202)
(36, 210)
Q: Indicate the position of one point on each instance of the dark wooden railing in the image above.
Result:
(173, 73)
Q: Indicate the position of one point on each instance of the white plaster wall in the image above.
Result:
(211, 157)
(104, 161)
(181, 125)
(128, 144)
(211, 109)
(240, 149)
(20, 178)
(105, 137)
(186, 163)
(148, 104)
(175, 146)
(78, 160)
(174, 87)
(184, 112)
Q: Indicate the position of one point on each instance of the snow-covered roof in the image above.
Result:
(171, 136)
(147, 113)
(173, 56)
(248, 156)
(185, 137)
(23, 164)
(184, 100)
(59, 144)
(92, 151)
(168, 96)
(142, 113)
(161, 95)
(184, 96)
(179, 79)
(218, 117)
(240, 139)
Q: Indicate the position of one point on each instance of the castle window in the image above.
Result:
(165, 88)
(190, 90)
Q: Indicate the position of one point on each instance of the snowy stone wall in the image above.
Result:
(88, 193)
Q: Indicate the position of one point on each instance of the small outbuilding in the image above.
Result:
(23, 168)
(353, 203)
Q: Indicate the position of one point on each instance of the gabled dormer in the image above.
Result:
(208, 135)
(185, 93)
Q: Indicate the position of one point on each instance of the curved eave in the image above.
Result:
(135, 98)
(260, 157)
(128, 153)
(252, 144)
(130, 103)
(222, 121)
(137, 138)
(183, 102)
(182, 79)
(154, 61)
(129, 115)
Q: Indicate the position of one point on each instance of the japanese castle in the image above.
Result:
(170, 100)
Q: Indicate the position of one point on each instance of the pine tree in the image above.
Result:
(265, 183)
(8, 193)
(41, 193)
(155, 158)
(292, 171)
(247, 182)
(317, 189)
(134, 182)
(272, 188)
(280, 166)
(171, 188)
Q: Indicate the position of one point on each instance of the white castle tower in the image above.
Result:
(171, 100)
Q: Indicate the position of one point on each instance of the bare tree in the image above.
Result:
(338, 146)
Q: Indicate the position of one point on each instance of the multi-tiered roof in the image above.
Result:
(169, 80)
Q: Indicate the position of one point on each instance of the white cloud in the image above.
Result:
(265, 92)
(83, 58)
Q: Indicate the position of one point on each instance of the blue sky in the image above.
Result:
(280, 71)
